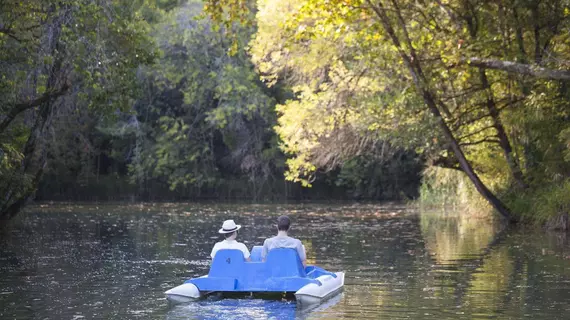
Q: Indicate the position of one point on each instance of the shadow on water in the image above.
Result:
(115, 262)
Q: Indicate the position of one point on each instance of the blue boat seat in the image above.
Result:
(285, 262)
(283, 271)
(227, 263)
(255, 255)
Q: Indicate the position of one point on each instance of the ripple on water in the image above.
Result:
(115, 262)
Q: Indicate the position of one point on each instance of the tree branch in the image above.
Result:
(476, 132)
(472, 143)
(519, 68)
(21, 107)
(9, 33)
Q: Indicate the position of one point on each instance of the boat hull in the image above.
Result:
(310, 294)
(184, 293)
(282, 272)
(314, 294)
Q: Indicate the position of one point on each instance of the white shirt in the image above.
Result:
(230, 244)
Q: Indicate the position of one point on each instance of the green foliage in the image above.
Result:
(543, 203)
(443, 187)
(362, 71)
(60, 59)
(393, 177)
(208, 115)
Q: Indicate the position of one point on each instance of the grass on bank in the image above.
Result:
(544, 204)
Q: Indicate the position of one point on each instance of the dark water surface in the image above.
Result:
(115, 262)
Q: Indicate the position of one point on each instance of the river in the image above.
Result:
(114, 261)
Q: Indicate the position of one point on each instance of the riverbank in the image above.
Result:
(546, 205)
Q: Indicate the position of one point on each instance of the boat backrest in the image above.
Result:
(256, 254)
(227, 263)
(285, 262)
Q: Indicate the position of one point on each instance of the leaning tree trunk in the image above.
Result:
(504, 142)
(464, 163)
(16, 199)
(491, 105)
(34, 162)
(412, 62)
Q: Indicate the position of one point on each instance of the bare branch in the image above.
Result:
(476, 132)
(518, 68)
(21, 107)
(472, 143)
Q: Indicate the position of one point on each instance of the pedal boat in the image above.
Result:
(282, 272)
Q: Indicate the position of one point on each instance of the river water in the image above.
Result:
(115, 261)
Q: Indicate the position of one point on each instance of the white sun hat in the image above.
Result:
(229, 226)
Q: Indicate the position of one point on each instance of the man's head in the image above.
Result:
(283, 223)
(231, 235)
(229, 229)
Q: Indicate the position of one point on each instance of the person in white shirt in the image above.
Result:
(282, 240)
(230, 230)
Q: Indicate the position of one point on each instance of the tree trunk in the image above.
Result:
(10, 211)
(464, 163)
(421, 84)
(31, 165)
(501, 133)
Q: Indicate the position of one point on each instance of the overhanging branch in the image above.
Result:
(518, 68)
(21, 107)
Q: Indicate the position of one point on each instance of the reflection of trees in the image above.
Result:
(490, 283)
(469, 250)
(452, 238)
(396, 265)
(490, 273)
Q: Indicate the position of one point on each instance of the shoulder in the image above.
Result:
(298, 242)
(295, 240)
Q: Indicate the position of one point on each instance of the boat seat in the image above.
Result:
(282, 272)
(285, 262)
(255, 255)
(227, 263)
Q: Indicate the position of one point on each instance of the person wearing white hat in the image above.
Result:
(229, 230)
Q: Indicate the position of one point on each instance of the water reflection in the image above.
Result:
(115, 261)
(247, 309)
(453, 236)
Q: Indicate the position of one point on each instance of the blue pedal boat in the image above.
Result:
(282, 272)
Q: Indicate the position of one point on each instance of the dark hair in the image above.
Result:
(227, 235)
(283, 223)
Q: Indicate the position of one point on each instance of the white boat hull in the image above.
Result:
(310, 294)
(183, 293)
(313, 293)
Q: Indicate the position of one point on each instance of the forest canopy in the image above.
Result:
(173, 99)
(475, 86)
(150, 100)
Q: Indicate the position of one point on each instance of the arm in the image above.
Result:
(246, 254)
(264, 251)
(302, 253)
(214, 250)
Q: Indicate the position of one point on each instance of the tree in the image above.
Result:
(205, 115)
(60, 55)
(468, 61)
